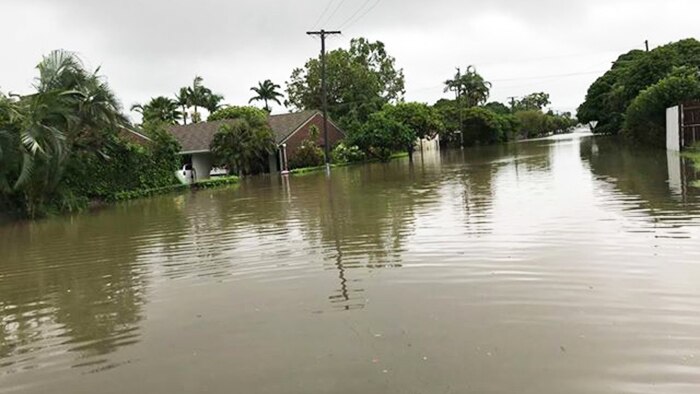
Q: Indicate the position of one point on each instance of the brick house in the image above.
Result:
(290, 131)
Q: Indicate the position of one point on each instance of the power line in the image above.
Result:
(335, 11)
(325, 11)
(357, 11)
(348, 24)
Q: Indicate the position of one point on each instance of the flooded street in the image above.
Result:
(565, 265)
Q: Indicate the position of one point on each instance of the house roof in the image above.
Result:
(197, 137)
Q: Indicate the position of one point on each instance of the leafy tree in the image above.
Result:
(498, 108)
(483, 127)
(159, 110)
(267, 91)
(382, 135)
(422, 120)
(609, 97)
(360, 79)
(533, 101)
(343, 153)
(471, 88)
(255, 117)
(645, 120)
(241, 147)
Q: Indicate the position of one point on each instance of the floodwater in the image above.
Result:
(564, 265)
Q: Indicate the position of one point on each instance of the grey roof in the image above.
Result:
(197, 137)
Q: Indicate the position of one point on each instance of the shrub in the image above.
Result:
(347, 154)
(309, 154)
(482, 127)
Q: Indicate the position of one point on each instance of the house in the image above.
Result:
(682, 126)
(290, 131)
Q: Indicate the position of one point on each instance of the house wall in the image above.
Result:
(294, 142)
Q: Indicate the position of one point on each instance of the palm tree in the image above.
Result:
(213, 102)
(470, 87)
(266, 91)
(72, 110)
(197, 96)
(183, 100)
(159, 109)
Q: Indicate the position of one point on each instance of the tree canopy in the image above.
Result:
(266, 91)
(361, 80)
(610, 96)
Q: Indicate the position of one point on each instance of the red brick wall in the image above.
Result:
(334, 135)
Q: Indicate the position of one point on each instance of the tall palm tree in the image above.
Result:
(267, 91)
(213, 102)
(182, 98)
(470, 87)
(159, 109)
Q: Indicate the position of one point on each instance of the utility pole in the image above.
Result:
(458, 91)
(646, 44)
(324, 94)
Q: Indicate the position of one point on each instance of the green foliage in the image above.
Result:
(198, 96)
(242, 147)
(535, 123)
(382, 135)
(267, 91)
(484, 127)
(645, 120)
(309, 154)
(159, 110)
(361, 80)
(255, 117)
(471, 88)
(498, 108)
(126, 169)
(424, 121)
(609, 97)
(533, 102)
(343, 153)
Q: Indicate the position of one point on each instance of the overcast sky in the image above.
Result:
(148, 48)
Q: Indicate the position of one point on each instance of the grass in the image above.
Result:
(311, 170)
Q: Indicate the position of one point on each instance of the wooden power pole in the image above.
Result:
(324, 94)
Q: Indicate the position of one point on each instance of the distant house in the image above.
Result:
(290, 131)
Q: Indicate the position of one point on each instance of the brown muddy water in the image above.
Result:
(566, 265)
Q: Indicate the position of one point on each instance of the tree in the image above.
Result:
(382, 135)
(483, 127)
(360, 80)
(241, 147)
(159, 109)
(471, 87)
(255, 117)
(533, 101)
(266, 91)
(498, 108)
(245, 143)
(198, 96)
(609, 97)
(645, 119)
(182, 98)
(73, 110)
(422, 120)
